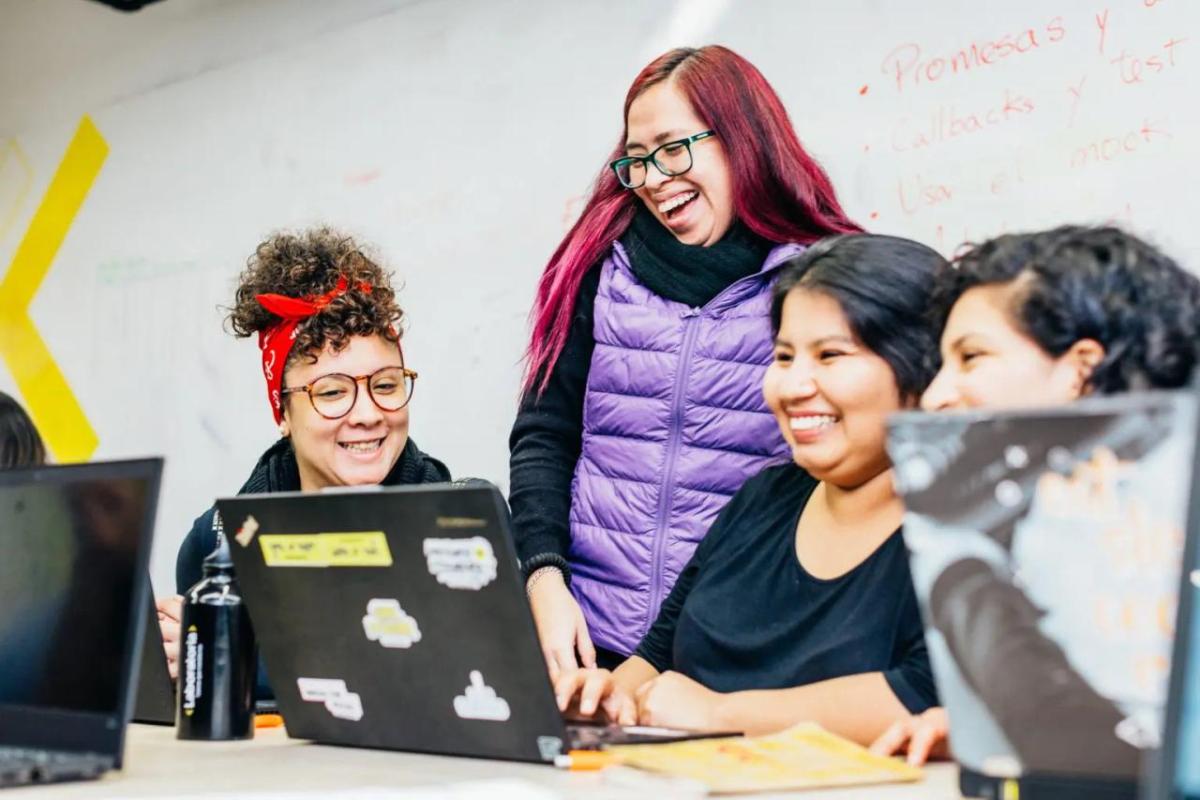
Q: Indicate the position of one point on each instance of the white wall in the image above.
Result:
(457, 135)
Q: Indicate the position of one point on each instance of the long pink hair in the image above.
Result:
(779, 191)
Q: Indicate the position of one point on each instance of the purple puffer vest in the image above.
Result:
(674, 423)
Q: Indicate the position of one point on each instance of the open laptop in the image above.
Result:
(1045, 550)
(73, 593)
(397, 618)
(1175, 773)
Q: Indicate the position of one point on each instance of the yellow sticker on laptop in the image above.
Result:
(350, 549)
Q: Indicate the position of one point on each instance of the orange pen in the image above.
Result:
(268, 721)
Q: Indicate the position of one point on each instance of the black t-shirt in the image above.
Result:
(745, 614)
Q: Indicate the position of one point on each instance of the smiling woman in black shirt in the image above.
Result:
(798, 604)
(721, 629)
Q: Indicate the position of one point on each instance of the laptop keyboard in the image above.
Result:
(19, 766)
(583, 736)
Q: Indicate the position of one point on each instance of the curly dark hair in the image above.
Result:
(882, 284)
(1102, 283)
(310, 263)
(20, 443)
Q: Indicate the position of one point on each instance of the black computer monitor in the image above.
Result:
(75, 542)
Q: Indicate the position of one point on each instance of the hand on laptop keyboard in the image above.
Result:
(587, 693)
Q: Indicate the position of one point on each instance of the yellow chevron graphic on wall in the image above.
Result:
(13, 162)
(52, 404)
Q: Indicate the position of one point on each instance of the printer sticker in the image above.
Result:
(333, 694)
(480, 701)
(461, 563)
(387, 623)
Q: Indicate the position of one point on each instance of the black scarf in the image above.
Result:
(276, 470)
(686, 273)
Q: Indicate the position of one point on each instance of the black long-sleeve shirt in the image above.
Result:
(546, 439)
(745, 614)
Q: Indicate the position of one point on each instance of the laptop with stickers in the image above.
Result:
(397, 618)
(1045, 548)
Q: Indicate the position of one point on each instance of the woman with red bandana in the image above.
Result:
(327, 324)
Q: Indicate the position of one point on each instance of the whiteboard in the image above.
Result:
(458, 138)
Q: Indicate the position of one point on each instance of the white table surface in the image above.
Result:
(158, 765)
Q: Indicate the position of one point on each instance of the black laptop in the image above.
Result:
(1174, 774)
(73, 593)
(1045, 548)
(397, 618)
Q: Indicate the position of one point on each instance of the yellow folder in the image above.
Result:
(803, 757)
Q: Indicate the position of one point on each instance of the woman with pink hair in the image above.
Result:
(642, 409)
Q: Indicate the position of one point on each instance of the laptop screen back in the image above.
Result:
(410, 598)
(1045, 552)
(75, 542)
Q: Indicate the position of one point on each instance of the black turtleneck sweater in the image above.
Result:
(547, 435)
(277, 471)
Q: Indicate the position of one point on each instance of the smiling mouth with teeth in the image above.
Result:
(672, 206)
(362, 447)
(811, 423)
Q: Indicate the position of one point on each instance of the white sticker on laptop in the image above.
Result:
(333, 694)
(246, 533)
(480, 701)
(387, 623)
(347, 706)
(461, 563)
(318, 690)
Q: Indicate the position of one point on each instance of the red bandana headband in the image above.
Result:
(276, 342)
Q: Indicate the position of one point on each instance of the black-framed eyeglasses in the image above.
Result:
(333, 395)
(672, 158)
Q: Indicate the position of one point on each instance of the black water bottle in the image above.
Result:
(217, 656)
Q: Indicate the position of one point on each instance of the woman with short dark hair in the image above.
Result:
(1044, 318)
